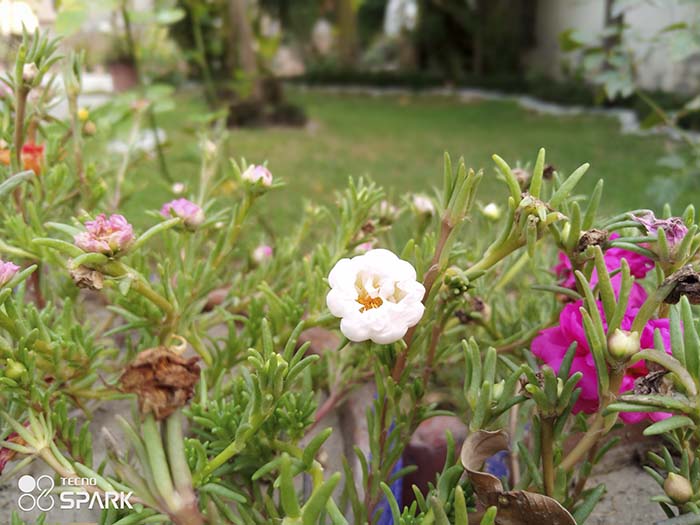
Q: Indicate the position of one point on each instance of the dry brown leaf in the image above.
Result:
(516, 507)
(520, 507)
(481, 445)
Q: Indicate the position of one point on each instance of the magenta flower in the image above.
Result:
(262, 253)
(551, 346)
(188, 211)
(7, 271)
(674, 228)
(639, 265)
(257, 173)
(104, 235)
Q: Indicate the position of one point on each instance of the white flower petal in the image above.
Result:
(376, 295)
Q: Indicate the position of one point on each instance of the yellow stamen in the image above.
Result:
(368, 302)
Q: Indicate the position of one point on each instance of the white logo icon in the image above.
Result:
(28, 485)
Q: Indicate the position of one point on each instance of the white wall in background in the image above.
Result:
(657, 71)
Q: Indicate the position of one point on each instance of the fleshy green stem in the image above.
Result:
(547, 438)
(593, 434)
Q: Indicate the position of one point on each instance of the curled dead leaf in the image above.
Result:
(162, 380)
(515, 507)
(685, 281)
(481, 445)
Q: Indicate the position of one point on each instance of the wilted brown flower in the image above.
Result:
(86, 278)
(592, 237)
(685, 281)
(162, 380)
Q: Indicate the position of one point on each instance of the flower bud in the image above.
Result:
(89, 128)
(209, 148)
(623, 344)
(423, 205)
(83, 114)
(29, 72)
(491, 211)
(14, 369)
(388, 213)
(256, 174)
(7, 271)
(497, 392)
(364, 247)
(678, 488)
(191, 214)
(262, 253)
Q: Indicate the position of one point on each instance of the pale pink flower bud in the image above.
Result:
(257, 173)
(188, 211)
(364, 247)
(262, 253)
(423, 205)
(29, 72)
(7, 271)
(104, 235)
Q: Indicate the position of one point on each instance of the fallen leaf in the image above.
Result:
(515, 507)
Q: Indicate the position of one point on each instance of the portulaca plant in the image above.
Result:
(537, 324)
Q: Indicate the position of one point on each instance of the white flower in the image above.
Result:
(16, 15)
(423, 205)
(257, 173)
(376, 295)
(492, 211)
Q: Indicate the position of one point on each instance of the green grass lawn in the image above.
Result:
(399, 142)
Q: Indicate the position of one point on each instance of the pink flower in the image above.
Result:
(257, 173)
(7, 271)
(262, 253)
(104, 235)
(639, 265)
(551, 346)
(674, 228)
(188, 211)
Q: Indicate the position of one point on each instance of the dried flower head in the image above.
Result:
(674, 227)
(86, 278)
(162, 380)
